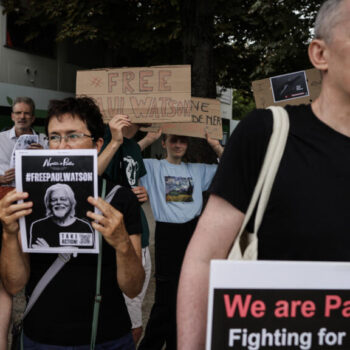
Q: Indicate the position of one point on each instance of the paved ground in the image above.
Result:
(19, 302)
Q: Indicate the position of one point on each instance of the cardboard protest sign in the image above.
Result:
(146, 95)
(59, 183)
(278, 304)
(205, 114)
(293, 88)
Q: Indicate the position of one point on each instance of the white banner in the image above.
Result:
(278, 305)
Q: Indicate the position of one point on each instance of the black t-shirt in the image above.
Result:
(307, 215)
(63, 313)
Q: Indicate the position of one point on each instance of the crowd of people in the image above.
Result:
(297, 225)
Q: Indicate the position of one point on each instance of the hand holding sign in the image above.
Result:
(214, 144)
(151, 137)
(109, 222)
(116, 124)
(11, 211)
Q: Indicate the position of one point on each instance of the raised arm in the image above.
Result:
(14, 264)
(116, 124)
(149, 139)
(130, 273)
(215, 145)
(212, 239)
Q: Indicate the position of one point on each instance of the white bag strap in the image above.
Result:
(268, 170)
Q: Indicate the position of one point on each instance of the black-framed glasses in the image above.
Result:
(69, 138)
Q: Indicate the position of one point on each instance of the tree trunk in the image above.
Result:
(197, 19)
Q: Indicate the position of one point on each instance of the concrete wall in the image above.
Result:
(21, 68)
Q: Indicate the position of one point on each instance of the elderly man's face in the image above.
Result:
(60, 203)
(22, 116)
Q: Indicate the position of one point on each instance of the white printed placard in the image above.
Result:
(278, 305)
(59, 183)
(289, 86)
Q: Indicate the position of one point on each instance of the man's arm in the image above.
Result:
(130, 273)
(149, 139)
(116, 124)
(8, 177)
(215, 145)
(14, 264)
(212, 239)
(5, 315)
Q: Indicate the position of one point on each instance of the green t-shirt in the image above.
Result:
(125, 168)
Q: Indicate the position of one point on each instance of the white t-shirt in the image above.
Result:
(8, 140)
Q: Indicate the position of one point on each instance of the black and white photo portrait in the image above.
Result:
(289, 86)
(64, 228)
(58, 183)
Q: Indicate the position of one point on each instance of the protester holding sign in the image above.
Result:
(62, 316)
(175, 190)
(23, 116)
(121, 162)
(306, 216)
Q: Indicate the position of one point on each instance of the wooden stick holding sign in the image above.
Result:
(146, 95)
(205, 118)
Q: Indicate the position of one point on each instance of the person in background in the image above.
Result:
(121, 162)
(23, 116)
(175, 191)
(314, 170)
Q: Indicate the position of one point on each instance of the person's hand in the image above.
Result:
(141, 193)
(149, 139)
(109, 222)
(40, 243)
(214, 144)
(153, 136)
(8, 176)
(116, 124)
(11, 211)
(35, 145)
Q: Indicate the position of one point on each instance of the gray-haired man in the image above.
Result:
(306, 217)
(23, 116)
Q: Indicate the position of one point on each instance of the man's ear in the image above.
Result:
(99, 144)
(163, 144)
(318, 54)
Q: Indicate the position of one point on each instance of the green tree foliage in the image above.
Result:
(232, 42)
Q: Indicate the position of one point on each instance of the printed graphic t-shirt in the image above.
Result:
(175, 190)
(125, 168)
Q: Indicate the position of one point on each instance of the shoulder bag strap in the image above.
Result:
(268, 171)
(51, 272)
(98, 297)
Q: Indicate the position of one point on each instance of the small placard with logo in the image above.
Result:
(59, 183)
